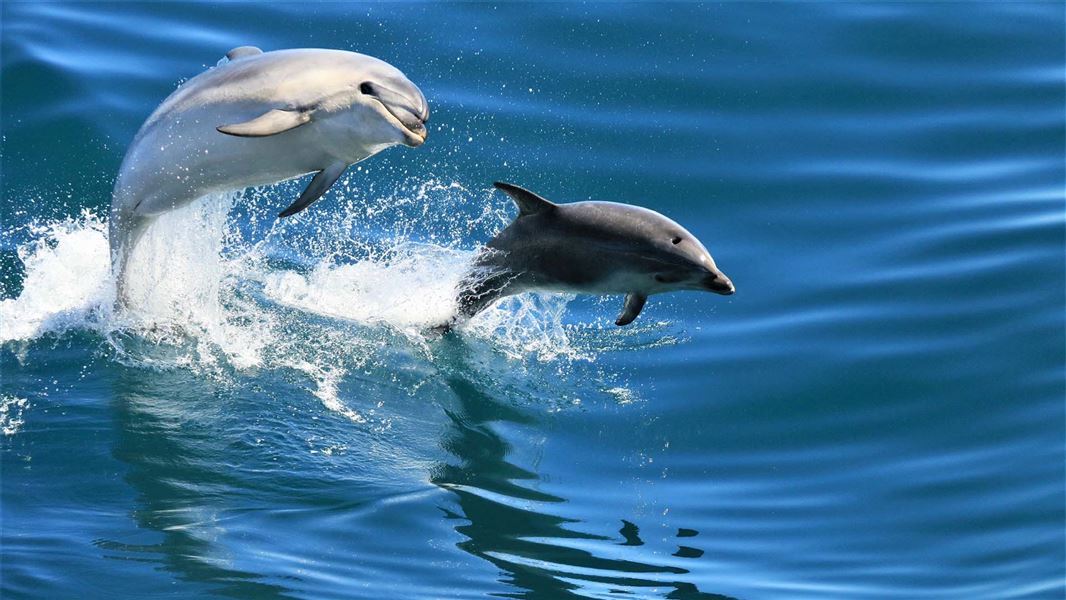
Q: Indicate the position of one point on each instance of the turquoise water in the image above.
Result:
(877, 413)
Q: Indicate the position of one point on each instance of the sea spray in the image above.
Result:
(181, 281)
(221, 286)
(410, 287)
(67, 280)
(12, 409)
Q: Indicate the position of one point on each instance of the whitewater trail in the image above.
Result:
(195, 276)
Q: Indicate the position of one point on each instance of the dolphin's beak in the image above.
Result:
(409, 108)
(717, 282)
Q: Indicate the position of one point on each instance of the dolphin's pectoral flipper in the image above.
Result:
(242, 51)
(632, 307)
(318, 186)
(271, 122)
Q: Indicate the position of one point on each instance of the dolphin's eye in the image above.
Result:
(676, 240)
(366, 87)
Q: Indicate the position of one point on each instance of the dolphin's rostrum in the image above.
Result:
(588, 248)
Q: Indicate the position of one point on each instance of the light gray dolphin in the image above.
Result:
(259, 118)
(588, 248)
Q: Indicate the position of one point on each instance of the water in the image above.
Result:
(878, 412)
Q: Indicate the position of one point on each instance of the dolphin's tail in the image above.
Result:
(479, 289)
(124, 231)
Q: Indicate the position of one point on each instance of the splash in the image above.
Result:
(410, 287)
(200, 278)
(220, 286)
(67, 282)
(184, 287)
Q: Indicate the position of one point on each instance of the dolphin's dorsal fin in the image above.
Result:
(528, 202)
(269, 123)
(242, 51)
(634, 304)
(318, 186)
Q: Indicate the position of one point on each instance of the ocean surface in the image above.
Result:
(877, 413)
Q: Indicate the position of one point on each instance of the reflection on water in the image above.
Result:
(172, 438)
(181, 492)
(512, 525)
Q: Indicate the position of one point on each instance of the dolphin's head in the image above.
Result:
(659, 255)
(385, 108)
(686, 263)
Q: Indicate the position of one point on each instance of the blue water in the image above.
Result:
(877, 413)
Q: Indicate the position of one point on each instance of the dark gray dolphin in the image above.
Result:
(588, 248)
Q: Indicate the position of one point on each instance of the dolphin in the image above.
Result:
(256, 119)
(588, 248)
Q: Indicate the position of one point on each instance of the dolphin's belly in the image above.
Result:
(605, 284)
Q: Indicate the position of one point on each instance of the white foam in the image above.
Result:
(180, 280)
(11, 414)
(411, 287)
(67, 280)
(327, 381)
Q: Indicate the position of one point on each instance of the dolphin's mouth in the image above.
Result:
(414, 128)
(719, 284)
(410, 114)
